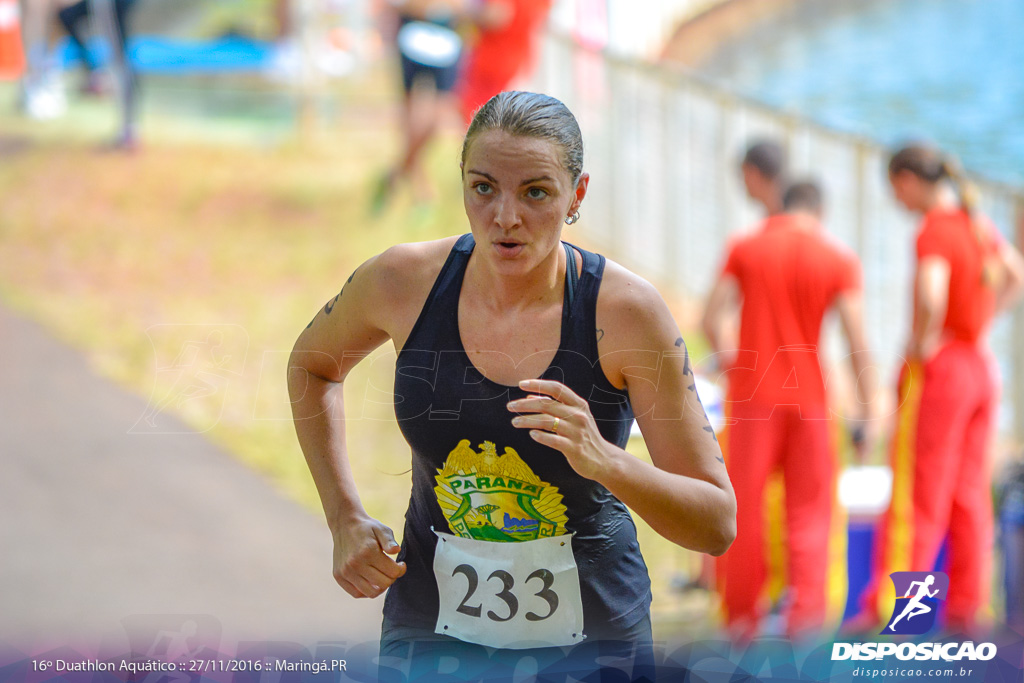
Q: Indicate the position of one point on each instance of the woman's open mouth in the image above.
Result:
(508, 248)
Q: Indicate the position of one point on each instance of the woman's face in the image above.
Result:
(517, 194)
(908, 189)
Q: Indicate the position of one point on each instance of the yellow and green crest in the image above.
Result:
(491, 497)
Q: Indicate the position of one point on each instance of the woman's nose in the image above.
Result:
(506, 213)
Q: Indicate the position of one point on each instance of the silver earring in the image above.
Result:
(569, 220)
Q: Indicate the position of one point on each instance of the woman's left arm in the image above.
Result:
(1011, 282)
(685, 495)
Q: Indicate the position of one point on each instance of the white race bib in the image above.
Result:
(508, 595)
(429, 44)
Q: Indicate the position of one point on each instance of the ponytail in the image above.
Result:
(930, 165)
(967, 195)
(966, 191)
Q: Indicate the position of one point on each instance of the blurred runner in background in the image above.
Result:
(504, 48)
(24, 46)
(429, 48)
(111, 20)
(784, 278)
(42, 92)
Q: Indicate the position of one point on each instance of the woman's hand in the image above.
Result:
(924, 350)
(559, 418)
(361, 563)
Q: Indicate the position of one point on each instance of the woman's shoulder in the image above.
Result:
(946, 228)
(410, 261)
(396, 282)
(631, 306)
(633, 321)
(621, 288)
(943, 218)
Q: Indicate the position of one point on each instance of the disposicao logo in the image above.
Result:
(947, 652)
(917, 601)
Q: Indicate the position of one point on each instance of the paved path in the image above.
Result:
(102, 530)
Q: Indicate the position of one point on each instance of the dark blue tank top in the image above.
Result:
(475, 475)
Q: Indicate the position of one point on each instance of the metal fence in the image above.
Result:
(663, 146)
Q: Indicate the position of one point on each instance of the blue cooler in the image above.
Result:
(864, 492)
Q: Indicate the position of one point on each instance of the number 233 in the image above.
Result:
(506, 595)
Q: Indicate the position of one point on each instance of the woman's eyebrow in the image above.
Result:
(536, 180)
(485, 175)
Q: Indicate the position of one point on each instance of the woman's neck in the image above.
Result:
(500, 292)
(938, 197)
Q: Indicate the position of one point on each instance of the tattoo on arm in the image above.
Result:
(718, 456)
(329, 306)
(600, 334)
(688, 372)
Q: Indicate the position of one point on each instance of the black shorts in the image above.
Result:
(441, 74)
(443, 77)
(629, 652)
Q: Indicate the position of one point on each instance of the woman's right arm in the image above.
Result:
(343, 332)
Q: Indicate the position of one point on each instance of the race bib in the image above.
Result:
(508, 595)
(429, 44)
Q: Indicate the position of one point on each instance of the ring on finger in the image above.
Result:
(554, 427)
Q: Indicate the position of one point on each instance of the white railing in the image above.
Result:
(662, 147)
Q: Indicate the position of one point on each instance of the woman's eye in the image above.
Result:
(536, 193)
(482, 188)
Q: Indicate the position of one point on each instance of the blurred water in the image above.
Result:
(951, 71)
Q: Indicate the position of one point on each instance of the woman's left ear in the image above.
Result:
(580, 192)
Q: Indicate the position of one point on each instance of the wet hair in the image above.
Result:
(805, 195)
(768, 157)
(531, 115)
(932, 166)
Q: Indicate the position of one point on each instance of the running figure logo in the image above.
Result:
(917, 600)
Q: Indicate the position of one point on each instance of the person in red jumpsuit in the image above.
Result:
(505, 47)
(784, 277)
(966, 273)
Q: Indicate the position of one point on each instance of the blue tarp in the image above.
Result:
(155, 54)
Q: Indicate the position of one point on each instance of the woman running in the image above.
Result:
(521, 363)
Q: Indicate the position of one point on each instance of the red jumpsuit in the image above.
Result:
(779, 421)
(938, 452)
(500, 54)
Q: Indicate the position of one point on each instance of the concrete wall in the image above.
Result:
(635, 28)
(697, 38)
